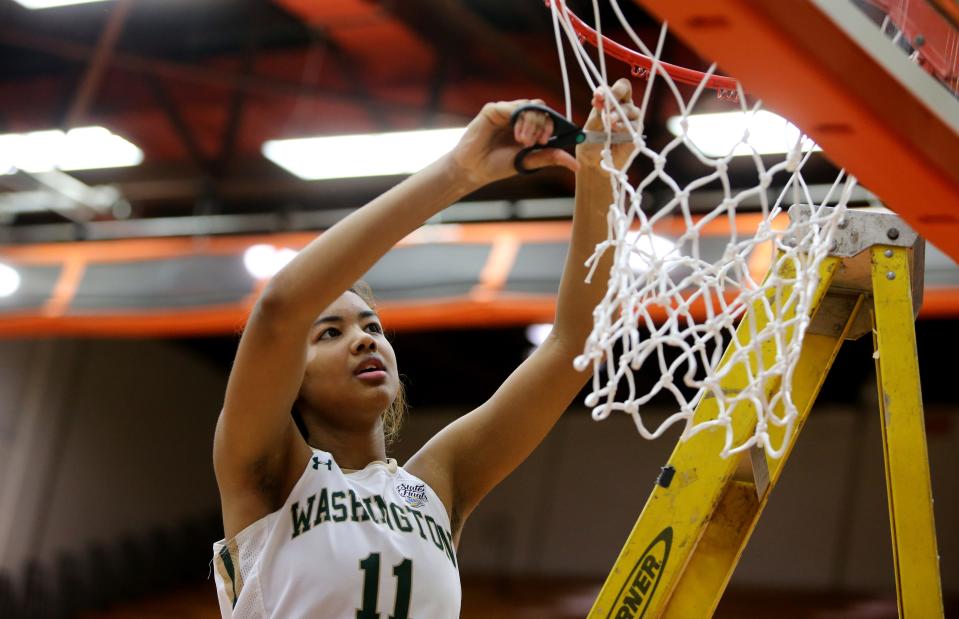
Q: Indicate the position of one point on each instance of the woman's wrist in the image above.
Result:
(458, 177)
(590, 156)
(590, 163)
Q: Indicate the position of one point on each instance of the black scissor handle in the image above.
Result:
(565, 134)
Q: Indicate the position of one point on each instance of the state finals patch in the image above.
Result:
(413, 494)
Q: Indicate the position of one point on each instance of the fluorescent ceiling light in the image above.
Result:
(718, 134)
(83, 148)
(49, 4)
(263, 261)
(537, 334)
(646, 248)
(351, 156)
(9, 280)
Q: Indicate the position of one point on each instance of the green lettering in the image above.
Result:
(431, 524)
(338, 507)
(368, 508)
(447, 543)
(419, 520)
(301, 520)
(358, 513)
(384, 510)
(322, 509)
(401, 521)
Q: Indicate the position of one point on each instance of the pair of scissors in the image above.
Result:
(565, 134)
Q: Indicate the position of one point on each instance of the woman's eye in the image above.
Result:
(374, 327)
(328, 333)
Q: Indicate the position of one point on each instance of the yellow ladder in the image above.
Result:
(689, 537)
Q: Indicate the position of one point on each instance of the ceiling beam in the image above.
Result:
(463, 30)
(99, 59)
(180, 126)
(238, 98)
(190, 73)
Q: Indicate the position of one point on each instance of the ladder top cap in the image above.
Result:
(860, 229)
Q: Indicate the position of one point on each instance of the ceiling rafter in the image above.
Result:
(377, 109)
(192, 73)
(87, 90)
(238, 98)
(463, 29)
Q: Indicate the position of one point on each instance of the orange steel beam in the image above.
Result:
(808, 69)
(421, 314)
(948, 9)
(487, 305)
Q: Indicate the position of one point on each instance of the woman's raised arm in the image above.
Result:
(256, 446)
(473, 454)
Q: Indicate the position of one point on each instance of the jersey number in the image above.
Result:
(371, 584)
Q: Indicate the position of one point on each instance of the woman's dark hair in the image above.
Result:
(394, 415)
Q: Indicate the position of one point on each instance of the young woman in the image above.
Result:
(326, 525)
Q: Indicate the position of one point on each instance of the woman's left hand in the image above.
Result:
(486, 151)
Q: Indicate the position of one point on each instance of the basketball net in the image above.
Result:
(672, 308)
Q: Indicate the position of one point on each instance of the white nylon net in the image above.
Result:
(671, 305)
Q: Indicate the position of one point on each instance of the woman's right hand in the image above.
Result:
(486, 151)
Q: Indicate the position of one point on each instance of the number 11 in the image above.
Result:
(371, 582)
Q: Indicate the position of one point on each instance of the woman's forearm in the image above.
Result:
(594, 193)
(576, 299)
(332, 262)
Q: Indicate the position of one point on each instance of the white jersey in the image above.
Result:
(366, 544)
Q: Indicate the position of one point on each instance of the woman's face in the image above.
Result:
(351, 375)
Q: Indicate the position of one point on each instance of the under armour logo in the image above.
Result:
(317, 463)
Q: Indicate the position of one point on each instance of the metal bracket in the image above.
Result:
(859, 231)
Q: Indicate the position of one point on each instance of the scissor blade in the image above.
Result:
(600, 137)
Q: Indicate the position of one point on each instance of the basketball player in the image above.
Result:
(325, 525)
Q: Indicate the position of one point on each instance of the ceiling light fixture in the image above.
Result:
(83, 148)
(718, 134)
(646, 248)
(352, 156)
(537, 333)
(263, 261)
(9, 280)
(49, 4)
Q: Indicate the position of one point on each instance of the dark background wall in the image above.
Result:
(109, 440)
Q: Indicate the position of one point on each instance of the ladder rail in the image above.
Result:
(691, 533)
